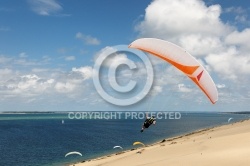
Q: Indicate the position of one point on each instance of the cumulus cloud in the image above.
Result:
(169, 19)
(30, 87)
(200, 45)
(64, 87)
(87, 39)
(230, 65)
(240, 39)
(33, 82)
(184, 88)
(86, 71)
(220, 46)
(74, 83)
(190, 24)
(199, 29)
(115, 59)
(45, 7)
(5, 74)
(24, 86)
(39, 83)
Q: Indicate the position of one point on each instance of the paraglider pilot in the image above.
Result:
(149, 121)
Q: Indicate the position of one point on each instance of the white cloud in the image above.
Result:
(86, 71)
(239, 13)
(45, 7)
(87, 39)
(23, 55)
(25, 86)
(46, 82)
(230, 65)
(74, 83)
(237, 10)
(69, 58)
(156, 90)
(5, 74)
(242, 19)
(22, 60)
(39, 85)
(240, 39)
(120, 58)
(169, 19)
(28, 81)
(190, 24)
(198, 28)
(39, 70)
(65, 87)
(220, 86)
(103, 52)
(5, 71)
(200, 45)
(116, 59)
(4, 59)
(25, 62)
(184, 88)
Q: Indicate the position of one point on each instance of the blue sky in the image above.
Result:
(48, 49)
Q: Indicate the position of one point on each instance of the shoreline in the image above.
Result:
(120, 156)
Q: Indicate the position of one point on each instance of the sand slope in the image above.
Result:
(225, 145)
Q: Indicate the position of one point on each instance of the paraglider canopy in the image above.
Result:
(138, 143)
(182, 60)
(229, 120)
(70, 153)
(117, 147)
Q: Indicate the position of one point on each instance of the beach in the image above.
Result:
(224, 145)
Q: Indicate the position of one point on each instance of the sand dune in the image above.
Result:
(225, 145)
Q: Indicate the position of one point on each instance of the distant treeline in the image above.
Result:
(242, 112)
(28, 112)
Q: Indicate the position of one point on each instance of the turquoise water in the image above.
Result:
(42, 139)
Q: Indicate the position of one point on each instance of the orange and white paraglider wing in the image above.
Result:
(182, 60)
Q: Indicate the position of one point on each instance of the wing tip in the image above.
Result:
(214, 101)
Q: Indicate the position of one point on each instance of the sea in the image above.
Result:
(43, 139)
